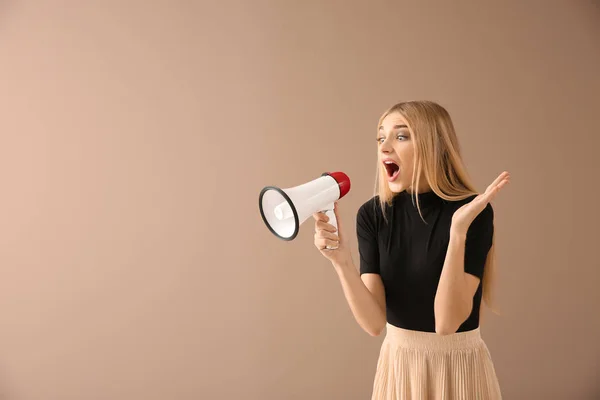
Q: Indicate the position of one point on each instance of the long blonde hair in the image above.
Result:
(438, 157)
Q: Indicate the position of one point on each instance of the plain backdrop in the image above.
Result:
(135, 138)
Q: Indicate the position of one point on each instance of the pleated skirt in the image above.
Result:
(416, 365)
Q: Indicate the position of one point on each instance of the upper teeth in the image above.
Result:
(390, 162)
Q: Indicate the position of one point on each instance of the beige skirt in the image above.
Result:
(416, 365)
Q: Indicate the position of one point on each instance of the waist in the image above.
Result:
(431, 340)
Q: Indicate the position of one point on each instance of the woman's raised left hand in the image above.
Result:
(464, 216)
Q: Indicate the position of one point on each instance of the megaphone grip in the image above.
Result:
(332, 220)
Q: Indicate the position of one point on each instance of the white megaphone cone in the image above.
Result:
(284, 210)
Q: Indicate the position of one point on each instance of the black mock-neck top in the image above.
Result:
(409, 254)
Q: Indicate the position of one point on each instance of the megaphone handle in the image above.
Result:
(332, 220)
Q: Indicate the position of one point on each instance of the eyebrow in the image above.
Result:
(395, 127)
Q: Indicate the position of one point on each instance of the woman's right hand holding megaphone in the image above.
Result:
(326, 235)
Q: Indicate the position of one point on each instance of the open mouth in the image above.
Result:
(392, 169)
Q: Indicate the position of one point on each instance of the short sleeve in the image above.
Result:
(366, 232)
(479, 241)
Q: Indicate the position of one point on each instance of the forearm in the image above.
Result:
(369, 314)
(451, 304)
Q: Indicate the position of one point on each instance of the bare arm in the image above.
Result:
(365, 296)
(456, 288)
(468, 248)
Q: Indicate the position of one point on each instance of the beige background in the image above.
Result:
(136, 136)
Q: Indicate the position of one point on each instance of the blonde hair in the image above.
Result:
(438, 157)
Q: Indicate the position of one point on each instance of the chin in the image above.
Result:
(396, 187)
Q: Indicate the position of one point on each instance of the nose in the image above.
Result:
(385, 147)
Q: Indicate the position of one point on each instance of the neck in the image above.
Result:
(422, 190)
(427, 197)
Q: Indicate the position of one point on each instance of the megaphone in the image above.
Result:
(284, 210)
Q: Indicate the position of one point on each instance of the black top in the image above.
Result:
(409, 254)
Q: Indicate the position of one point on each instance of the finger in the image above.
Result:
(503, 181)
(326, 235)
(501, 185)
(498, 180)
(322, 244)
(494, 191)
(493, 185)
(321, 225)
(320, 216)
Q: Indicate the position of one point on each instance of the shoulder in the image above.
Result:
(487, 214)
(369, 208)
(483, 222)
(369, 211)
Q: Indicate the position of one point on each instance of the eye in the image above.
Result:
(400, 137)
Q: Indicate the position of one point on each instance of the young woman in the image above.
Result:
(426, 245)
